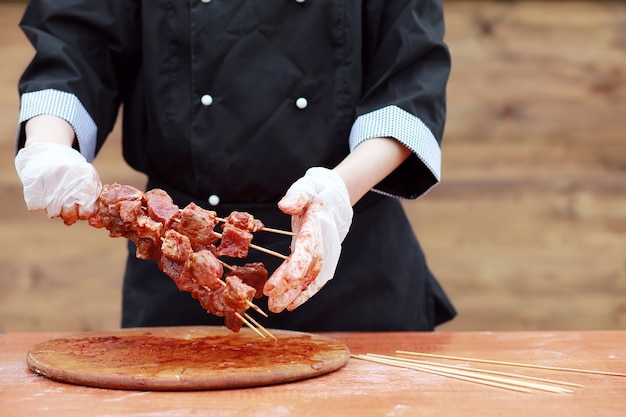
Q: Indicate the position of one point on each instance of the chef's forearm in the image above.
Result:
(49, 129)
(369, 163)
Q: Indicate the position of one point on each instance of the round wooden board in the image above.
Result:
(185, 358)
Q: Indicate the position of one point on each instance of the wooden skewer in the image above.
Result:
(250, 303)
(262, 249)
(265, 229)
(256, 308)
(229, 267)
(247, 317)
(487, 371)
(260, 327)
(278, 231)
(522, 365)
(250, 325)
(508, 383)
(443, 373)
(269, 251)
(499, 379)
(239, 316)
(250, 322)
(259, 248)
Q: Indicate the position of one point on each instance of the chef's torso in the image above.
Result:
(238, 98)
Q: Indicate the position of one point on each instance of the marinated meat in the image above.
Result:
(253, 274)
(176, 246)
(147, 235)
(244, 221)
(212, 301)
(129, 211)
(205, 269)
(183, 244)
(235, 242)
(198, 224)
(160, 206)
(237, 294)
(233, 322)
(174, 270)
(114, 200)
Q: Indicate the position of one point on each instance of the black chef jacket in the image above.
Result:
(237, 99)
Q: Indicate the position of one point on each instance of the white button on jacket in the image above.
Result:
(214, 200)
(301, 103)
(206, 100)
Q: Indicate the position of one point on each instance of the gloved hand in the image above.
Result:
(321, 212)
(58, 179)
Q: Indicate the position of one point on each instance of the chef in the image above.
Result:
(315, 114)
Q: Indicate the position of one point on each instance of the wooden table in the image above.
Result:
(360, 388)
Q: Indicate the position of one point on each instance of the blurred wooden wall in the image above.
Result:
(526, 231)
(528, 228)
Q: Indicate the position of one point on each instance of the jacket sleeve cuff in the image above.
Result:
(392, 121)
(64, 105)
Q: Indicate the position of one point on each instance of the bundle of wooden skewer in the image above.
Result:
(247, 320)
(154, 222)
(510, 381)
(261, 248)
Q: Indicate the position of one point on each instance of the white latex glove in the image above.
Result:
(59, 180)
(321, 212)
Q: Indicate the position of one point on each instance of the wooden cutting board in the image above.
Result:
(185, 358)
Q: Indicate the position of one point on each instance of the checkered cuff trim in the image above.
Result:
(66, 106)
(392, 121)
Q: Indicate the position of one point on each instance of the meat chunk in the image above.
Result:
(117, 206)
(235, 242)
(170, 268)
(198, 224)
(148, 234)
(129, 211)
(237, 294)
(233, 322)
(244, 221)
(183, 244)
(230, 298)
(160, 206)
(253, 274)
(205, 269)
(114, 193)
(176, 246)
